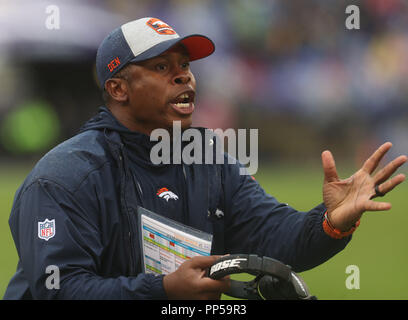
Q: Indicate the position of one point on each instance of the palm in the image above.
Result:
(346, 200)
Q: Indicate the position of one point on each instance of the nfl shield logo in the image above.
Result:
(46, 229)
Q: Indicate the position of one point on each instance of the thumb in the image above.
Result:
(329, 167)
(203, 262)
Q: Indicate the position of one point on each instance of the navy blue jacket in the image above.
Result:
(91, 186)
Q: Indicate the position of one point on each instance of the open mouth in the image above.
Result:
(184, 103)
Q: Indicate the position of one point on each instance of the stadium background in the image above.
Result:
(289, 68)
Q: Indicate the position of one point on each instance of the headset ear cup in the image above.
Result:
(273, 288)
(268, 288)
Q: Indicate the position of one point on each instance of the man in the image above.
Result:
(86, 191)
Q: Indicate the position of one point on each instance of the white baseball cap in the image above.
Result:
(143, 39)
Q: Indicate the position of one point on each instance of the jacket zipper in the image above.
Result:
(117, 152)
(130, 237)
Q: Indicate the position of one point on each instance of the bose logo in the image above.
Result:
(226, 264)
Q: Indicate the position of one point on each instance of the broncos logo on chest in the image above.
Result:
(167, 194)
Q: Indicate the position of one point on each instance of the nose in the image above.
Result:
(183, 77)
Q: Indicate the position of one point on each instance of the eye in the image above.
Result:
(185, 65)
(161, 67)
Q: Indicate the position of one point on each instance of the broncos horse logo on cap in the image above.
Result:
(160, 27)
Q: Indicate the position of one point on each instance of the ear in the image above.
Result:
(117, 89)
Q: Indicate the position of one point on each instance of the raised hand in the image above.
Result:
(346, 200)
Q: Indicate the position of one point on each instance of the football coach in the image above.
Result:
(76, 210)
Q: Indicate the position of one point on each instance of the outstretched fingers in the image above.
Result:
(389, 169)
(329, 167)
(391, 183)
(377, 206)
(372, 162)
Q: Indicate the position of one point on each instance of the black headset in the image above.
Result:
(273, 279)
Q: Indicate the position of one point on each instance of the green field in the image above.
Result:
(378, 248)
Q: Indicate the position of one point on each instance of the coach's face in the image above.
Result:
(161, 90)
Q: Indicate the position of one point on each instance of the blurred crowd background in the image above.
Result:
(289, 68)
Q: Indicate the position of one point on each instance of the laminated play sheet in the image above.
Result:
(166, 244)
